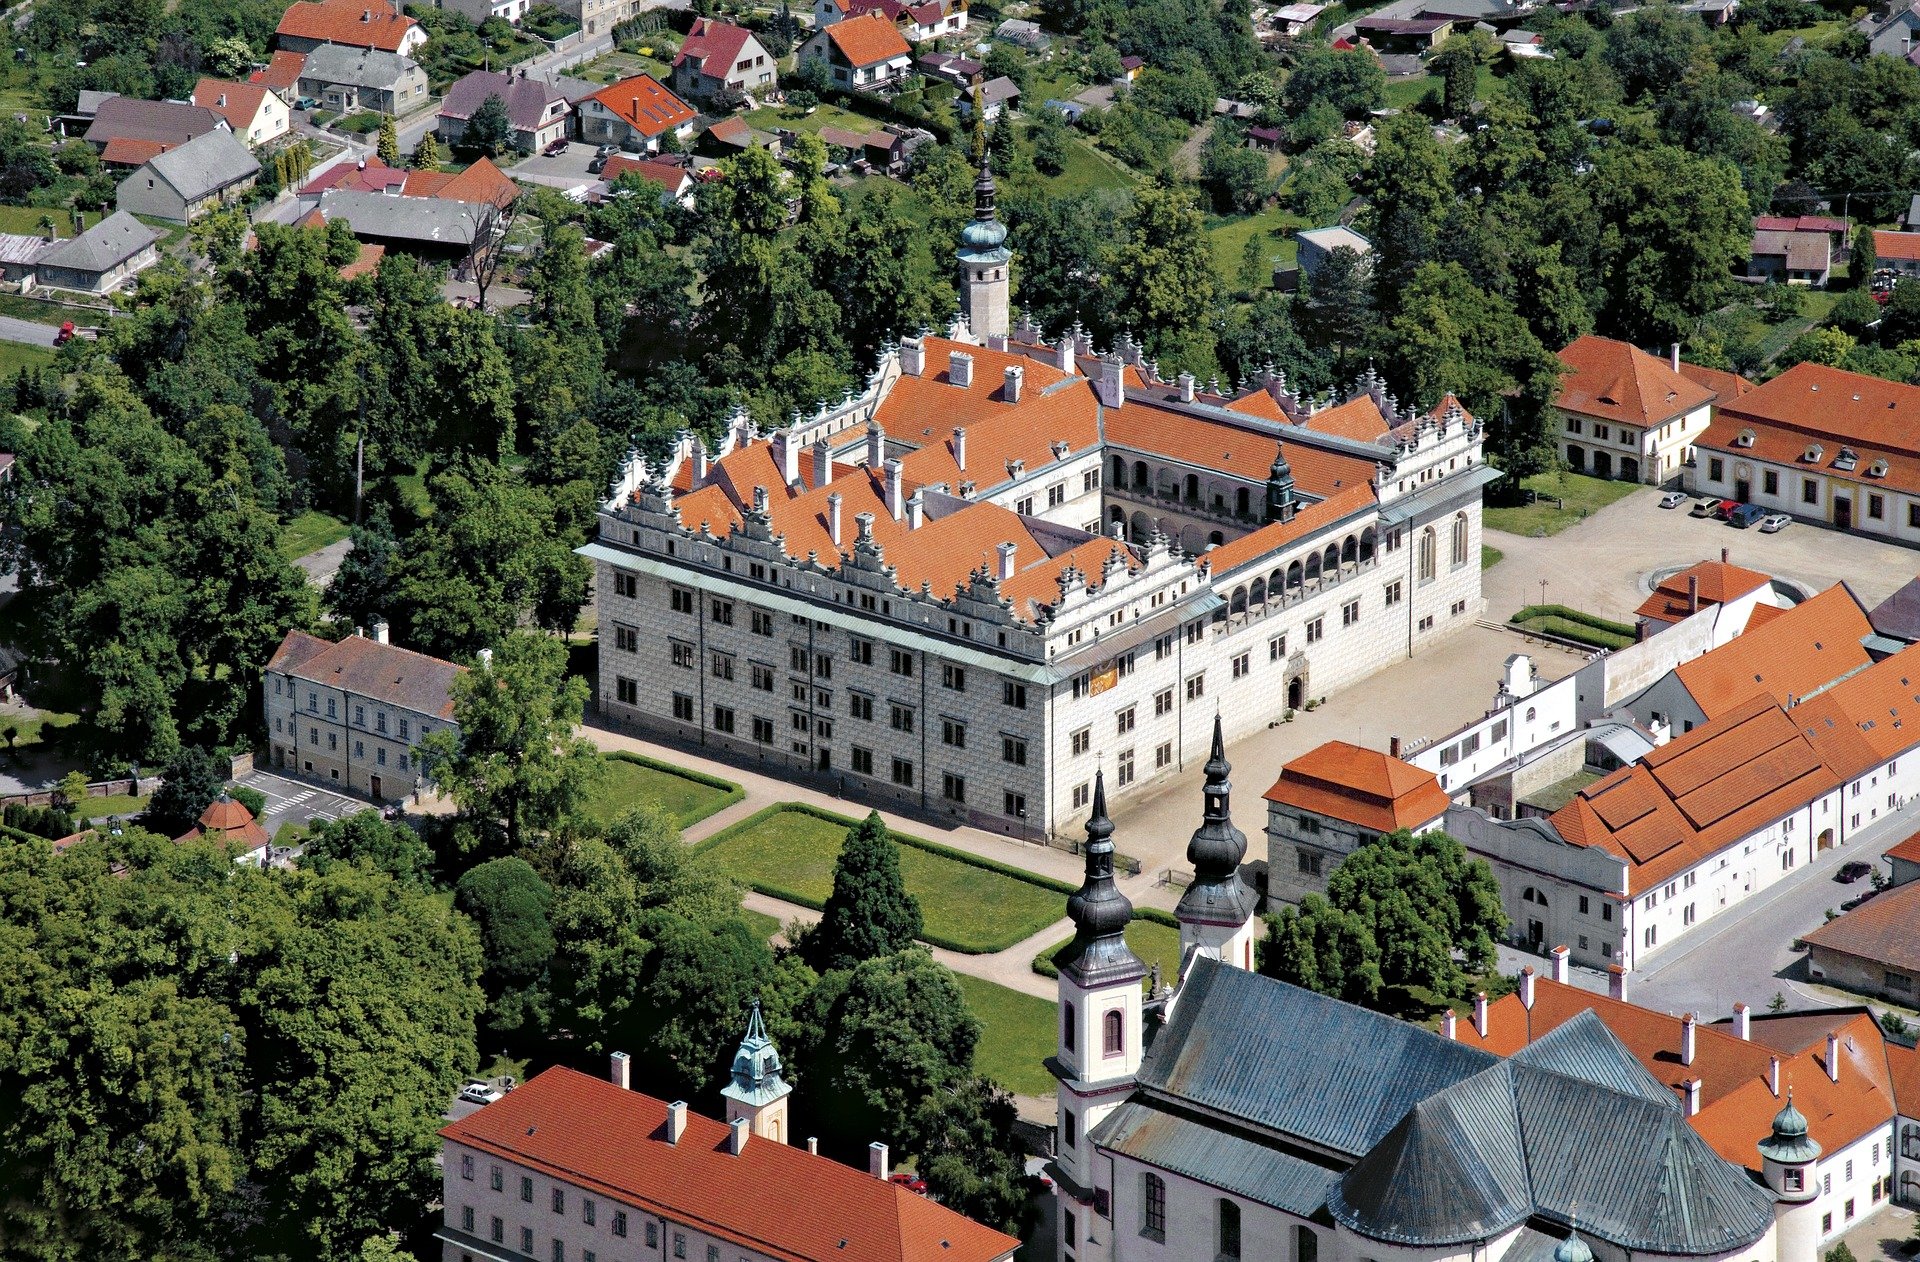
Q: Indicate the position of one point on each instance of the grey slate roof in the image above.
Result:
(107, 244)
(204, 165)
(1199, 1149)
(131, 118)
(356, 67)
(526, 98)
(423, 219)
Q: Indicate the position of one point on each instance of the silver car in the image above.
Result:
(1673, 499)
(1774, 523)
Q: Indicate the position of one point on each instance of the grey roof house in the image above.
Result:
(430, 227)
(538, 110)
(1798, 258)
(101, 259)
(182, 184)
(1893, 35)
(346, 79)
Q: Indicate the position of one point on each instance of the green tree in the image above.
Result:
(869, 914)
(368, 839)
(490, 129)
(1321, 948)
(1853, 311)
(228, 57)
(511, 905)
(1422, 900)
(516, 765)
(1235, 176)
(1165, 281)
(388, 147)
(1860, 266)
(969, 1155)
(190, 783)
(426, 154)
(1457, 66)
(1351, 82)
(1652, 48)
(1338, 306)
(1672, 227)
(1817, 346)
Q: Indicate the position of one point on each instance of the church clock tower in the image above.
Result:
(986, 281)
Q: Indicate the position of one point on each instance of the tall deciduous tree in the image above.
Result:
(1322, 948)
(869, 914)
(1164, 281)
(512, 907)
(193, 779)
(1672, 227)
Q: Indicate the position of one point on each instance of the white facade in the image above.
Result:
(1610, 449)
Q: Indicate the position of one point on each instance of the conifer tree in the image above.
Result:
(869, 914)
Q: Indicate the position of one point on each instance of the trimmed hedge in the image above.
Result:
(1579, 633)
(734, 791)
(1581, 617)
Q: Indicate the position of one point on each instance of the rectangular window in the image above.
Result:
(1229, 1229)
(360, 716)
(1276, 648)
(681, 598)
(496, 1179)
(723, 666)
(681, 654)
(1082, 794)
(899, 718)
(559, 1200)
(682, 707)
(1124, 771)
(763, 728)
(1349, 613)
(498, 1231)
(1240, 667)
(723, 719)
(861, 651)
(1196, 686)
(1082, 741)
(620, 1222)
(1770, 482)
(466, 1218)
(679, 1245)
(559, 1250)
(1123, 721)
(526, 1241)
(1876, 507)
(953, 732)
(1015, 805)
(653, 1234)
(1809, 491)
(626, 639)
(900, 662)
(1163, 755)
(1393, 593)
(1163, 702)
(762, 622)
(1013, 750)
(903, 773)
(953, 677)
(587, 1210)
(526, 1189)
(723, 612)
(1056, 495)
(762, 678)
(862, 760)
(1715, 469)
(466, 1166)
(1316, 630)
(953, 788)
(1013, 694)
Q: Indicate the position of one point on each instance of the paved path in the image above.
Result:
(323, 563)
(32, 332)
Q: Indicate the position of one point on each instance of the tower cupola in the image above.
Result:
(1216, 911)
(986, 280)
(756, 1091)
(1099, 911)
(1280, 501)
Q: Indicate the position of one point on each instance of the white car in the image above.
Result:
(477, 1092)
(1673, 499)
(1774, 523)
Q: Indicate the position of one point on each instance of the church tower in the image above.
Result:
(757, 1092)
(1787, 1156)
(1280, 504)
(1098, 1050)
(1216, 913)
(986, 281)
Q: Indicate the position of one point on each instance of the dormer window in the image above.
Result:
(1814, 453)
(1878, 469)
(1744, 438)
(1846, 460)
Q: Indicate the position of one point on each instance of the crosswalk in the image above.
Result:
(293, 800)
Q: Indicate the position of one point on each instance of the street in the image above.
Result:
(32, 332)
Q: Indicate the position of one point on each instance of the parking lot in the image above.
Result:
(562, 170)
(296, 801)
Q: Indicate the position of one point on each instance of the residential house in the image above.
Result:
(997, 96)
(598, 17)
(434, 228)
(674, 181)
(1837, 230)
(352, 713)
(920, 22)
(1268, 139)
(537, 112)
(186, 182)
(719, 57)
(1525, 45)
(375, 24)
(128, 131)
(636, 114)
(86, 104)
(1904, 860)
(1796, 258)
(1626, 414)
(18, 252)
(281, 75)
(481, 184)
(478, 11)
(1684, 593)
(1295, 20)
(367, 175)
(1334, 799)
(961, 72)
(1316, 245)
(1892, 35)
(1897, 252)
(864, 53)
(104, 258)
(1130, 68)
(1847, 1089)
(1874, 949)
(346, 80)
(253, 112)
(1827, 446)
(572, 1167)
(1404, 35)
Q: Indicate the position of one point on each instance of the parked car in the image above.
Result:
(1774, 523)
(558, 147)
(1851, 872)
(1705, 507)
(913, 1183)
(1673, 499)
(478, 1092)
(1745, 515)
(306, 103)
(65, 334)
(1724, 510)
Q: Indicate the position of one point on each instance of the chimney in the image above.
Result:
(380, 631)
(676, 1121)
(1686, 1039)
(1480, 1013)
(822, 463)
(361, 165)
(833, 518)
(1526, 988)
(620, 1070)
(1110, 381)
(913, 356)
(896, 497)
(1010, 391)
(876, 445)
(1449, 1025)
(1773, 1076)
(636, 107)
(1006, 551)
(789, 459)
(960, 447)
(959, 369)
(1742, 1023)
(1833, 1057)
(1673, 357)
(222, 102)
(1692, 1087)
(916, 510)
(1393, 746)
(1724, 554)
(877, 1160)
(737, 1131)
(699, 463)
(1693, 593)
(1559, 966)
(1066, 353)
(813, 1146)
(366, 15)
(1186, 387)
(1617, 982)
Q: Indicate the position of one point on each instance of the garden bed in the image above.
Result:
(1572, 624)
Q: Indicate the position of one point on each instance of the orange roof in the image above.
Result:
(230, 819)
(863, 41)
(1813, 406)
(383, 672)
(1896, 245)
(1359, 417)
(1883, 930)
(644, 104)
(282, 71)
(1761, 616)
(365, 263)
(1727, 385)
(1736, 1104)
(1225, 558)
(131, 151)
(598, 1137)
(1814, 643)
(481, 182)
(670, 176)
(1226, 448)
(1617, 382)
(1719, 583)
(357, 23)
(1361, 786)
(238, 103)
(1908, 850)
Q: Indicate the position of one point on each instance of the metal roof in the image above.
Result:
(1181, 1144)
(102, 247)
(205, 165)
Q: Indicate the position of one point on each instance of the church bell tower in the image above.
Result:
(1216, 912)
(986, 280)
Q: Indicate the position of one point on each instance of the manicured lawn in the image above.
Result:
(1230, 240)
(1490, 557)
(43, 312)
(825, 116)
(628, 784)
(29, 729)
(310, 532)
(1016, 1035)
(1152, 941)
(763, 925)
(17, 355)
(25, 220)
(116, 804)
(1576, 625)
(789, 854)
(1580, 497)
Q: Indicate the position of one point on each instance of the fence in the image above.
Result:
(130, 787)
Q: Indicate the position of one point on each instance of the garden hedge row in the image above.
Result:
(1575, 615)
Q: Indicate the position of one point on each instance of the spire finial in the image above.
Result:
(1099, 911)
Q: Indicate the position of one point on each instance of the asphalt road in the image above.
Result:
(32, 332)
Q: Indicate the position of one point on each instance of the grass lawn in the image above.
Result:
(116, 804)
(1088, 169)
(310, 532)
(1230, 241)
(1404, 94)
(1016, 1035)
(1580, 497)
(1152, 941)
(29, 728)
(34, 309)
(628, 784)
(1490, 557)
(825, 116)
(763, 925)
(25, 220)
(790, 854)
(17, 355)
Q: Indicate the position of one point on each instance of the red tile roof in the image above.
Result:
(1813, 406)
(1883, 930)
(644, 103)
(1904, 246)
(1361, 786)
(771, 1199)
(1790, 656)
(281, 73)
(228, 817)
(1728, 385)
(670, 176)
(357, 23)
(238, 103)
(1718, 584)
(369, 175)
(1617, 382)
(711, 40)
(866, 41)
(366, 263)
(383, 672)
(132, 152)
(1908, 850)
(481, 182)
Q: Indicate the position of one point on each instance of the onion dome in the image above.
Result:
(983, 239)
(1217, 894)
(1100, 913)
(1572, 1249)
(1790, 1144)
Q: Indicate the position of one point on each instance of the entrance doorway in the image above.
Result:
(1536, 935)
(1629, 469)
(1602, 464)
(373, 788)
(1743, 490)
(1825, 842)
(1296, 692)
(1843, 514)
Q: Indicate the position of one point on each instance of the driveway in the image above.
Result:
(564, 170)
(32, 332)
(296, 801)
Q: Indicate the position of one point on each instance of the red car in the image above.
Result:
(911, 1182)
(65, 334)
(1726, 509)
